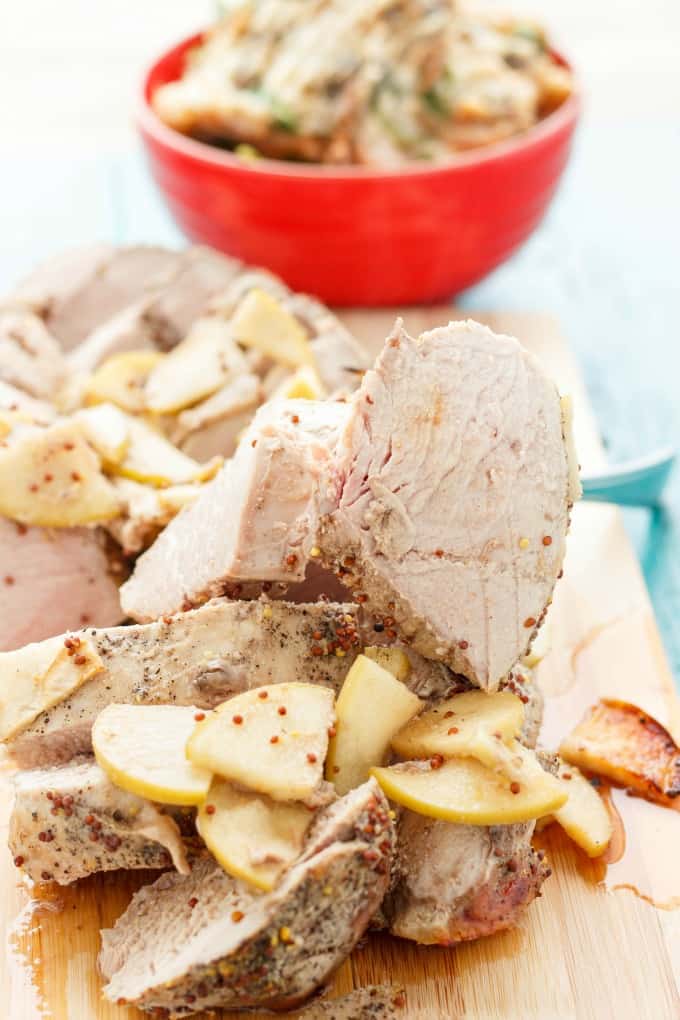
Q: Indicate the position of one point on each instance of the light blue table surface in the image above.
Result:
(605, 262)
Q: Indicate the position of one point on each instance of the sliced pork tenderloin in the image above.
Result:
(201, 274)
(206, 940)
(460, 882)
(78, 290)
(256, 521)
(71, 821)
(161, 317)
(214, 427)
(455, 882)
(444, 505)
(377, 1002)
(127, 330)
(54, 579)
(456, 491)
(197, 658)
(30, 357)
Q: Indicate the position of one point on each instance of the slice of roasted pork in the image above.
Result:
(197, 658)
(444, 505)
(455, 495)
(261, 513)
(52, 580)
(452, 883)
(71, 821)
(79, 289)
(205, 940)
(377, 1002)
(30, 357)
(460, 882)
(162, 315)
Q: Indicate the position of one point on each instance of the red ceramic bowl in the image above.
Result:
(355, 236)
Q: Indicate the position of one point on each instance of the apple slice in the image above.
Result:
(107, 429)
(584, 817)
(43, 674)
(394, 660)
(142, 749)
(152, 459)
(52, 477)
(252, 837)
(619, 740)
(207, 359)
(262, 322)
(473, 725)
(371, 707)
(304, 384)
(272, 739)
(463, 790)
(121, 380)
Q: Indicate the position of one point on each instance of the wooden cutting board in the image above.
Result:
(585, 949)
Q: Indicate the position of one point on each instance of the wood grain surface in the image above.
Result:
(585, 950)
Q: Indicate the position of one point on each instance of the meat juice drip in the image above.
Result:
(579, 669)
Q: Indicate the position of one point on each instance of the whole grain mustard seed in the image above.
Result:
(236, 916)
(530, 622)
(514, 787)
(263, 695)
(524, 543)
(547, 540)
(285, 935)
(315, 551)
(282, 710)
(267, 612)
(237, 720)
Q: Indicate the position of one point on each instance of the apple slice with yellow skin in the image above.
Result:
(52, 477)
(473, 725)
(371, 707)
(207, 359)
(251, 836)
(106, 428)
(465, 791)
(584, 817)
(271, 739)
(394, 660)
(261, 322)
(152, 459)
(304, 384)
(121, 380)
(142, 750)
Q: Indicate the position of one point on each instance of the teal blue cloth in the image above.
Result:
(605, 261)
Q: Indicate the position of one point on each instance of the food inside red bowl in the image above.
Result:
(368, 82)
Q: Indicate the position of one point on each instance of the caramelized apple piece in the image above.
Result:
(620, 741)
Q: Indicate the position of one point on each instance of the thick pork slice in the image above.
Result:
(456, 490)
(460, 882)
(52, 580)
(71, 821)
(30, 357)
(197, 658)
(257, 521)
(79, 289)
(162, 315)
(188, 943)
